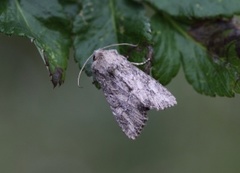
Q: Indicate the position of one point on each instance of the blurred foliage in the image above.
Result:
(72, 129)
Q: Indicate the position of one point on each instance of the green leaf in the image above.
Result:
(47, 24)
(166, 62)
(208, 75)
(196, 8)
(101, 23)
(221, 38)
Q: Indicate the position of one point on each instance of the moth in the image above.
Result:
(129, 91)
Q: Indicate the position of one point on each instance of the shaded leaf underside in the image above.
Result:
(42, 22)
(108, 22)
(206, 73)
(196, 8)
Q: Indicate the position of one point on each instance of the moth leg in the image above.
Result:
(141, 63)
(147, 62)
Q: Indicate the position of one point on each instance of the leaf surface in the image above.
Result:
(47, 24)
(196, 8)
(106, 22)
(207, 73)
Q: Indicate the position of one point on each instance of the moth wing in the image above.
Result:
(156, 96)
(129, 112)
(149, 91)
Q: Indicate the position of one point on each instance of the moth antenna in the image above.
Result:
(112, 45)
(120, 44)
(80, 72)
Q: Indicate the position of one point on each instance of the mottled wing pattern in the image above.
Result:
(129, 91)
(129, 112)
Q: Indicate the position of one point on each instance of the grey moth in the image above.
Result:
(129, 91)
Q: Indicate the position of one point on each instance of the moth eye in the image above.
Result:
(94, 58)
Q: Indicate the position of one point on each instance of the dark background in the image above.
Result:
(71, 129)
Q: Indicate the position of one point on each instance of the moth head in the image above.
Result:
(98, 55)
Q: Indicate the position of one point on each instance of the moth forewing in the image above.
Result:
(129, 91)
